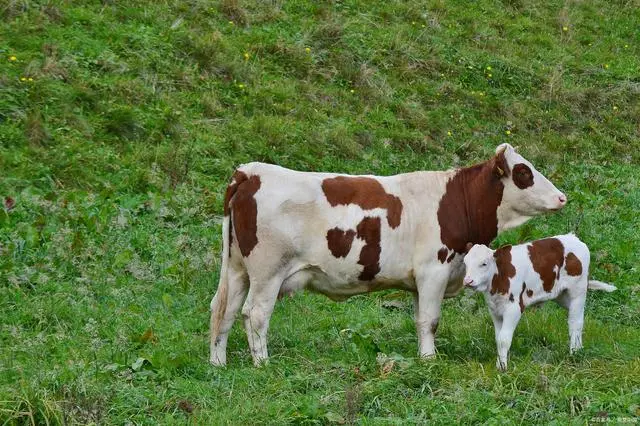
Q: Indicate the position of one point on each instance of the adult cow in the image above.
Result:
(342, 235)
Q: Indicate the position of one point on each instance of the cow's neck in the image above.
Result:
(468, 209)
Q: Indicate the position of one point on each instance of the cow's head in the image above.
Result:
(480, 267)
(527, 192)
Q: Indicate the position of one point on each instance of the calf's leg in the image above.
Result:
(431, 287)
(576, 320)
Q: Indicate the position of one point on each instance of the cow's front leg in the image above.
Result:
(505, 335)
(431, 286)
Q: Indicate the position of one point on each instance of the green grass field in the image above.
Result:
(121, 122)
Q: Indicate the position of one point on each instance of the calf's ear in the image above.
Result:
(468, 247)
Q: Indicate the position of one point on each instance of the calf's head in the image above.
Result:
(526, 193)
(480, 267)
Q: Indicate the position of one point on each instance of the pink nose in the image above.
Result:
(468, 280)
(562, 199)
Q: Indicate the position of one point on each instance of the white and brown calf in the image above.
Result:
(514, 277)
(342, 235)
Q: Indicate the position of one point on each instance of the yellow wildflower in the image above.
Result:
(230, 22)
(12, 58)
(606, 65)
(565, 28)
(29, 79)
(23, 78)
(449, 133)
(352, 91)
(615, 108)
(489, 68)
(307, 49)
(508, 132)
(489, 75)
(246, 56)
(241, 86)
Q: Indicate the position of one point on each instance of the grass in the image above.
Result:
(121, 122)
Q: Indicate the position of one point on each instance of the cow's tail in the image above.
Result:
(599, 285)
(219, 302)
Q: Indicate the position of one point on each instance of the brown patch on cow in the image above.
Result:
(468, 209)
(365, 192)
(369, 231)
(547, 257)
(522, 176)
(244, 210)
(442, 254)
(339, 241)
(506, 271)
(573, 265)
(238, 178)
(451, 256)
(524, 286)
(511, 299)
(530, 293)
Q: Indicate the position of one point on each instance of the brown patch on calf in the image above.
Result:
(365, 192)
(573, 265)
(244, 210)
(339, 241)
(522, 176)
(524, 286)
(506, 270)
(530, 293)
(547, 257)
(511, 299)
(451, 256)
(468, 209)
(369, 231)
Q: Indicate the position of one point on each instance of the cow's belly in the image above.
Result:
(338, 288)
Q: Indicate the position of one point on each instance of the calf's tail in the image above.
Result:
(599, 285)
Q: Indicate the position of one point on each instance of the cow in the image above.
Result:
(512, 278)
(342, 235)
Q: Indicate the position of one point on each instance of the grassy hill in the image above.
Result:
(121, 122)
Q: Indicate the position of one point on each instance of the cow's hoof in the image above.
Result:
(501, 366)
(216, 362)
(427, 357)
(260, 362)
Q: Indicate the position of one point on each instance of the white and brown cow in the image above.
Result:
(512, 278)
(342, 235)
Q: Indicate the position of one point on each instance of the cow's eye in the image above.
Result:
(484, 264)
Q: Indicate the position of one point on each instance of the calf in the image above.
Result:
(342, 235)
(514, 277)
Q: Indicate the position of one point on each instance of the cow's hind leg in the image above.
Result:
(238, 286)
(257, 312)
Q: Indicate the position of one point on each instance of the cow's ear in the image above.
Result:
(468, 247)
(500, 165)
(503, 147)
